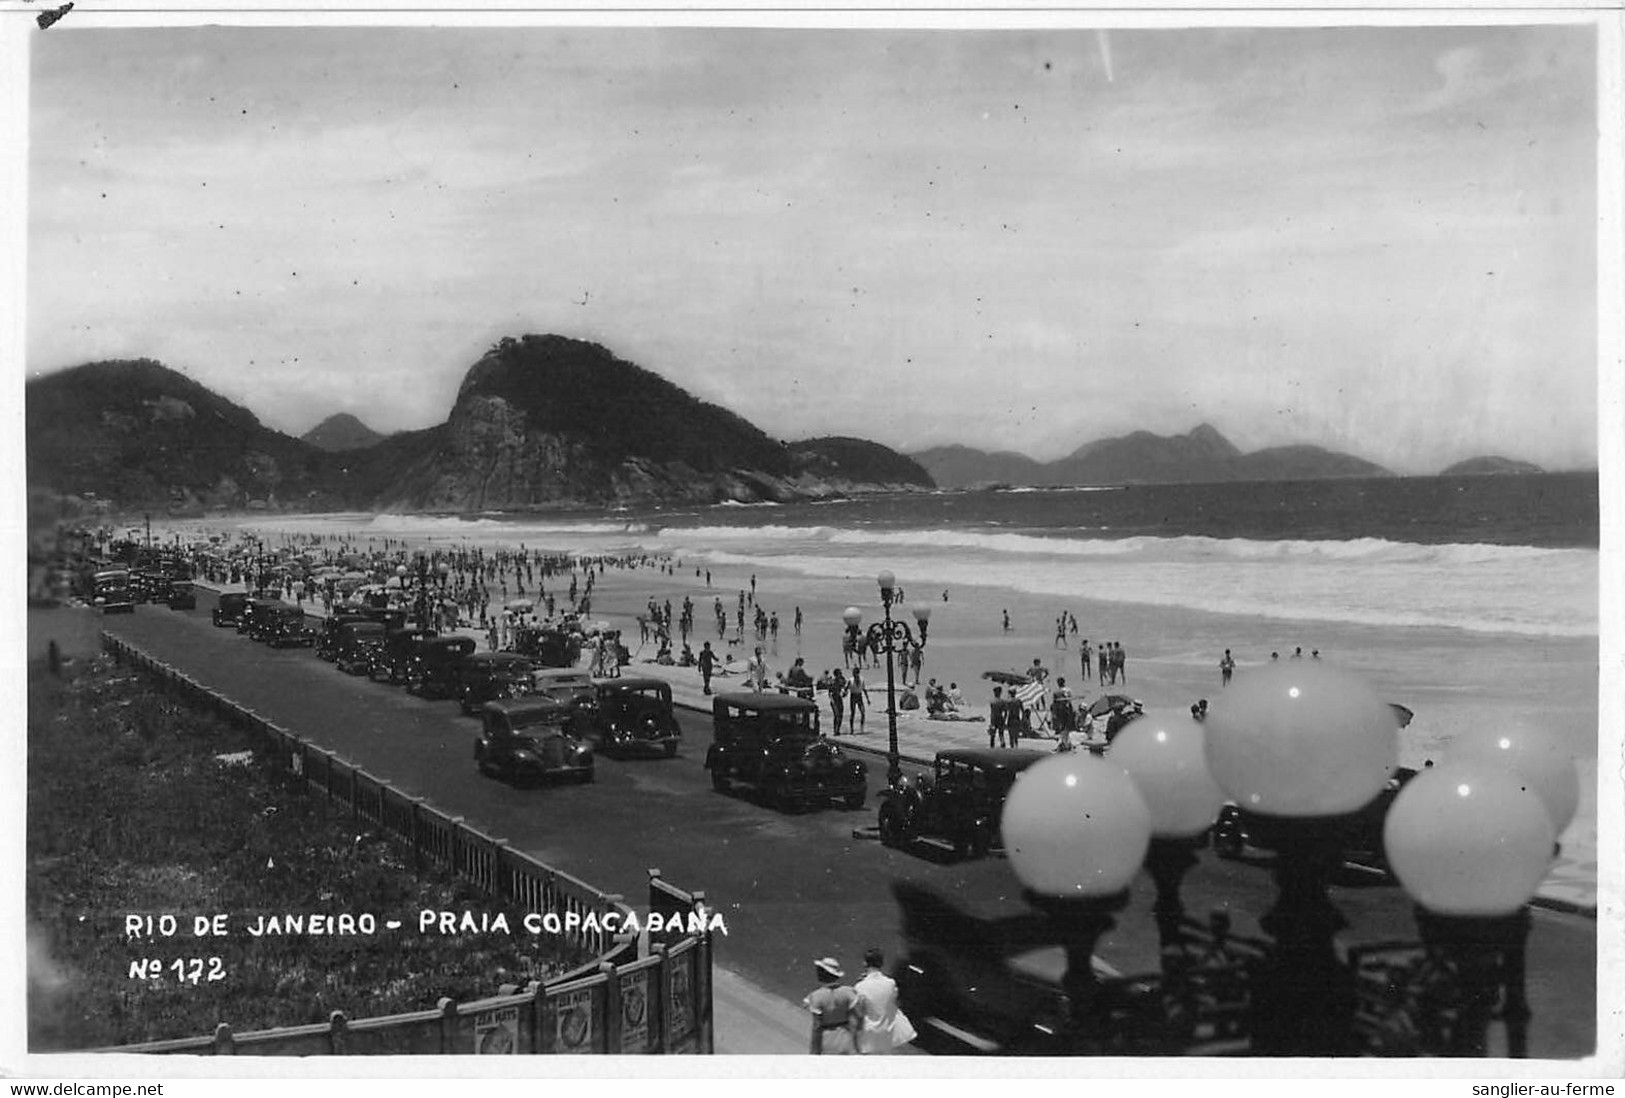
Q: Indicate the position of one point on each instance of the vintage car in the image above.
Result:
(433, 670)
(565, 684)
(110, 591)
(286, 627)
(229, 608)
(357, 645)
(629, 714)
(490, 676)
(327, 637)
(255, 612)
(772, 743)
(1362, 839)
(526, 740)
(548, 646)
(960, 802)
(390, 617)
(394, 661)
(181, 596)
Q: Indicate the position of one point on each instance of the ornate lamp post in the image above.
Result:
(889, 634)
(1302, 749)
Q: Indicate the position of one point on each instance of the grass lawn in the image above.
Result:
(131, 812)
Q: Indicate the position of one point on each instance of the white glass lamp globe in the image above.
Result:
(1164, 753)
(1534, 756)
(1301, 739)
(1075, 826)
(1468, 839)
(852, 616)
(886, 581)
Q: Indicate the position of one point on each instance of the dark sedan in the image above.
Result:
(631, 714)
(526, 741)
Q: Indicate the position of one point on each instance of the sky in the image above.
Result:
(1380, 240)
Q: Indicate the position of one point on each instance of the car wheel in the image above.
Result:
(719, 781)
(855, 800)
(671, 749)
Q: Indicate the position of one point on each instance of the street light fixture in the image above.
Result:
(891, 636)
(1301, 750)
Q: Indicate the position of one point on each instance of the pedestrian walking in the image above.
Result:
(1227, 667)
(834, 1011)
(859, 694)
(708, 665)
(882, 1027)
(997, 714)
(837, 700)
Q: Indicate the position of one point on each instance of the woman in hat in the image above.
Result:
(834, 1010)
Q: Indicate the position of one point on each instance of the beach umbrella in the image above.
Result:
(1403, 713)
(1006, 678)
(1107, 702)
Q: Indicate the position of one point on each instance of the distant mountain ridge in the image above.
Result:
(539, 422)
(1201, 455)
(341, 431)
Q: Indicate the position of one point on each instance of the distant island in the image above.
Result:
(1491, 467)
(1202, 455)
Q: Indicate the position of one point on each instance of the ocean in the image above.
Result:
(1514, 555)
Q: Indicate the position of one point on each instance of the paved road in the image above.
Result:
(792, 887)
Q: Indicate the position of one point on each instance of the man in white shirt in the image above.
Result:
(883, 1026)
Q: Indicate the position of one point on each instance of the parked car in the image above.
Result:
(629, 714)
(181, 596)
(286, 627)
(490, 676)
(565, 684)
(960, 802)
(110, 590)
(772, 742)
(1362, 841)
(394, 663)
(391, 618)
(433, 671)
(327, 637)
(357, 646)
(229, 608)
(526, 740)
(255, 611)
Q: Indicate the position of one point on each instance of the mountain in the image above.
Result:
(963, 467)
(539, 422)
(342, 431)
(1489, 467)
(1144, 458)
(144, 436)
(857, 461)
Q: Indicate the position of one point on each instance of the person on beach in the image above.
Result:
(916, 663)
(1119, 663)
(798, 621)
(1007, 621)
(1062, 716)
(996, 715)
(1038, 672)
(708, 665)
(756, 668)
(1297, 653)
(859, 695)
(1085, 657)
(834, 1011)
(1103, 659)
(1227, 667)
(837, 700)
(1060, 631)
